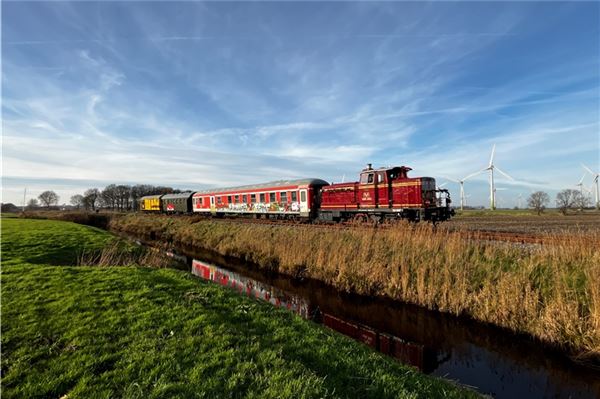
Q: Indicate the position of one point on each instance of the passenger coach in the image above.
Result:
(285, 198)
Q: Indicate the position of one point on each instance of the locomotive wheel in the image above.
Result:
(359, 218)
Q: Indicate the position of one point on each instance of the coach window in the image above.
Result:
(253, 198)
(229, 199)
(244, 199)
(294, 196)
(219, 200)
(272, 197)
(302, 196)
(284, 197)
(262, 197)
(237, 199)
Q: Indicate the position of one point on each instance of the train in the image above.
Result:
(380, 195)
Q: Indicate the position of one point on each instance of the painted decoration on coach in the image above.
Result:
(151, 203)
(284, 197)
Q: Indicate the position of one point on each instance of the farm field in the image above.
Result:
(137, 332)
(525, 222)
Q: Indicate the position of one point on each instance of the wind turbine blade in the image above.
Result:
(588, 169)
(492, 157)
(474, 174)
(452, 180)
(581, 181)
(499, 170)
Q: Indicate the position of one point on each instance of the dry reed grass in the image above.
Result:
(116, 254)
(551, 292)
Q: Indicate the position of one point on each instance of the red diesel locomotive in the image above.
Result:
(383, 194)
(380, 194)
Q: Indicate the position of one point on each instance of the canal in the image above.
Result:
(493, 361)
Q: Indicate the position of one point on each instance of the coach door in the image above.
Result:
(303, 202)
(213, 209)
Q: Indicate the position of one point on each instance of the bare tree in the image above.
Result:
(582, 201)
(109, 196)
(567, 199)
(538, 201)
(90, 198)
(48, 198)
(77, 200)
(32, 204)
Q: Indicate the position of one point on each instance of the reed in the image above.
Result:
(551, 292)
(116, 253)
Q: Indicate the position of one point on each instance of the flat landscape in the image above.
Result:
(527, 222)
(77, 331)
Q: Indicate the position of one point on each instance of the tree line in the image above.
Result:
(565, 200)
(119, 197)
(126, 198)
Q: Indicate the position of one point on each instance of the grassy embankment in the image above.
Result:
(551, 292)
(89, 331)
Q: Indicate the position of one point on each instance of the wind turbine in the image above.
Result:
(462, 188)
(595, 176)
(491, 167)
(519, 198)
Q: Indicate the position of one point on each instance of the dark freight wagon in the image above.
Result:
(177, 203)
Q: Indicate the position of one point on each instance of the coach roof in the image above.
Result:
(262, 186)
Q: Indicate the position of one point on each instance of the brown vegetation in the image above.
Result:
(551, 292)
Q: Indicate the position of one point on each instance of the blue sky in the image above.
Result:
(197, 95)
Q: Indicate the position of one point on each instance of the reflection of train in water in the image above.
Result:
(380, 194)
(407, 352)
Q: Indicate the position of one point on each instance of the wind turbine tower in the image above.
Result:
(491, 167)
(595, 176)
(463, 201)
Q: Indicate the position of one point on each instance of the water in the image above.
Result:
(492, 360)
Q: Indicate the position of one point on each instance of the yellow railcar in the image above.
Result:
(150, 203)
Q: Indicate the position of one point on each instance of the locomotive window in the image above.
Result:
(229, 199)
(262, 197)
(253, 198)
(284, 197)
(302, 196)
(294, 196)
(272, 197)
(380, 178)
(370, 180)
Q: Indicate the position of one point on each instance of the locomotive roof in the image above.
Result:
(384, 168)
(273, 184)
(185, 195)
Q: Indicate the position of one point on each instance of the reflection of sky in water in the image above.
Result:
(503, 370)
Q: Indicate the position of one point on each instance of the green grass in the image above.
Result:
(138, 332)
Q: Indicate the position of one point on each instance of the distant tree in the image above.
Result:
(538, 201)
(10, 207)
(77, 200)
(582, 201)
(123, 194)
(48, 198)
(32, 204)
(109, 196)
(567, 199)
(90, 198)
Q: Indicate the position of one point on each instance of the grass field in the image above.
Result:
(551, 292)
(103, 332)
